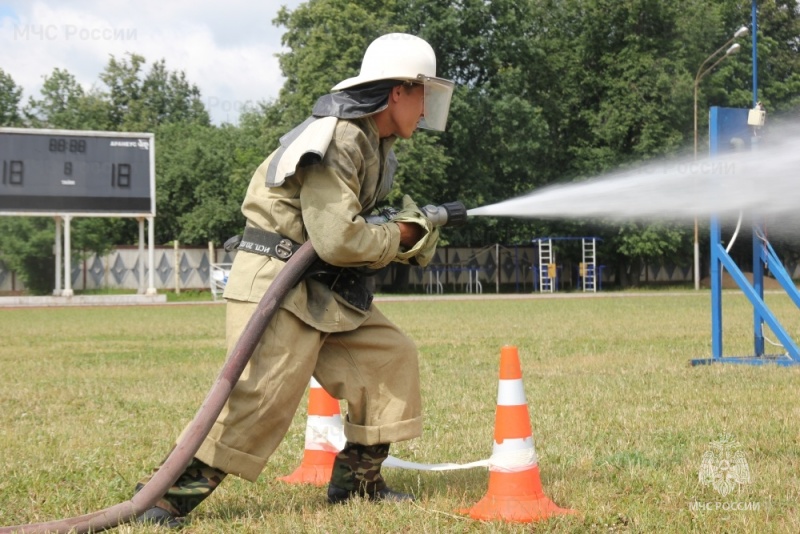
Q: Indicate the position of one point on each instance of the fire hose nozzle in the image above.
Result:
(447, 214)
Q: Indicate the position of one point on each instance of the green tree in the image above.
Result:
(32, 257)
(778, 58)
(66, 105)
(199, 190)
(556, 91)
(642, 245)
(261, 127)
(635, 91)
(10, 97)
(139, 102)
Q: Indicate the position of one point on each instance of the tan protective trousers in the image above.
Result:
(374, 368)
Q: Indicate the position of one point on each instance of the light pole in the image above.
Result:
(701, 72)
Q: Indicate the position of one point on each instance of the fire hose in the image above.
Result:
(448, 214)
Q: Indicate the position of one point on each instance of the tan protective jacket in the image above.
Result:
(322, 202)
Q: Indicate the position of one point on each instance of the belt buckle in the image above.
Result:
(232, 243)
(284, 249)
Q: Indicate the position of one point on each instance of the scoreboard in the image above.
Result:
(51, 172)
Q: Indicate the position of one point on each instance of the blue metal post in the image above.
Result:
(758, 287)
(715, 237)
(754, 19)
(716, 290)
(758, 227)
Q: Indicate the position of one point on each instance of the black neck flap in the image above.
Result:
(355, 102)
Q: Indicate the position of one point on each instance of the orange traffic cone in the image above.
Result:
(515, 489)
(324, 438)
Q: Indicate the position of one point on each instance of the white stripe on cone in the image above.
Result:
(324, 433)
(514, 454)
(511, 393)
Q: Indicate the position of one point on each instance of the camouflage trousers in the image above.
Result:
(194, 485)
(357, 468)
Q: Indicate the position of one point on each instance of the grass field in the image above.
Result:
(92, 398)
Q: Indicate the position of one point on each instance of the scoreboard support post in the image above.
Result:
(57, 250)
(67, 257)
(140, 271)
(151, 257)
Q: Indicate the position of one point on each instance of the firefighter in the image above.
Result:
(327, 174)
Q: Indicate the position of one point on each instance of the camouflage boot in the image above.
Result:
(357, 472)
(193, 486)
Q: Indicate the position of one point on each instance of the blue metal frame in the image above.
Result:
(725, 123)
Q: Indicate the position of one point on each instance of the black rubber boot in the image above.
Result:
(158, 516)
(337, 495)
(357, 473)
(194, 485)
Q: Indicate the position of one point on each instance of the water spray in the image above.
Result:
(759, 181)
(449, 214)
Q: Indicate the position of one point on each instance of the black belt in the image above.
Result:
(262, 242)
(350, 284)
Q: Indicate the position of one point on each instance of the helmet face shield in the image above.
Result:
(438, 93)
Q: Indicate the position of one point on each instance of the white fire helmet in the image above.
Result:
(400, 56)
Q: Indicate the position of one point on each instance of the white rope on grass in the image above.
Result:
(500, 461)
(517, 456)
